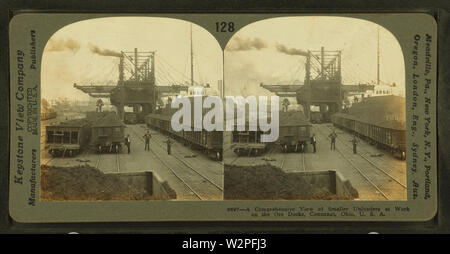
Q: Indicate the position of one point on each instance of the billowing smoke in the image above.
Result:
(291, 51)
(103, 52)
(243, 78)
(62, 45)
(240, 44)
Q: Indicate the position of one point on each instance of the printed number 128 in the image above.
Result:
(224, 27)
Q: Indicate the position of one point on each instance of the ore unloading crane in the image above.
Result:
(139, 90)
(322, 86)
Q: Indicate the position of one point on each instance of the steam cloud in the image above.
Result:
(62, 45)
(240, 44)
(103, 52)
(291, 51)
(245, 44)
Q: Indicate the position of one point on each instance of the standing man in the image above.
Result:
(147, 137)
(313, 141)
(333, 137)
(128, 142)
(354, 142)
(169, 143)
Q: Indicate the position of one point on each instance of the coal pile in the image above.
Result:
(85, 183)
(267, 182)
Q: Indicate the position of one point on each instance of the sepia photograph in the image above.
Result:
(106, 90)
(223, 117)
(340, 109)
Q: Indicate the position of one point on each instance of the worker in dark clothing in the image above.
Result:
(313, 142)
(354, 142)
(147, 137)
(128, 143)
(333, 137)
(169, 144)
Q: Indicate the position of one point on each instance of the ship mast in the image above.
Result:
(192, 61)
(378, 55)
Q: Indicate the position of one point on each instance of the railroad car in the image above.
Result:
(294, 134)
(248, 143)
(316, 117)
(380, 120)
(130, 118)
(93, 116)
(67, 138)
(108, 134)
(209, 142)
(48, 115)
(101, 130)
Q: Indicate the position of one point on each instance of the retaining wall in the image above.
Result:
(146, 181)
(330, 180)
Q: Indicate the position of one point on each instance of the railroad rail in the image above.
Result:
(48, 161)
(360, 171)
(98, 161)
(233, 162)
(302, 161)
(118, 162)
(178, 174)
(373, 164)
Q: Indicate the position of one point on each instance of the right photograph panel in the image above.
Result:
(335, 94)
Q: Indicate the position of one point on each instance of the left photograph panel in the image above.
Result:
(107, 87)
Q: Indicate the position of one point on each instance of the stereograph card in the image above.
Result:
(222, 117)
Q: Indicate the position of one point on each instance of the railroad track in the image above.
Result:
(302, 161)
(363, 173)
(382, 159)
(98, 161)
(235, 159)
(179, 174)
(48, 161)
(192, 150)
(117, 162)
(371, 162)
(254, 158)
(116, 159)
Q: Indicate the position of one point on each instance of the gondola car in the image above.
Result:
(316, 117)
(209, 142)
(48, 115)
(108, 134)
(248, 143)
(67, 138)
(294, 134)
(131, 117)
(380, 120)
(102, 130)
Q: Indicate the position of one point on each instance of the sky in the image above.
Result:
(69, 56)
(251, 56)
